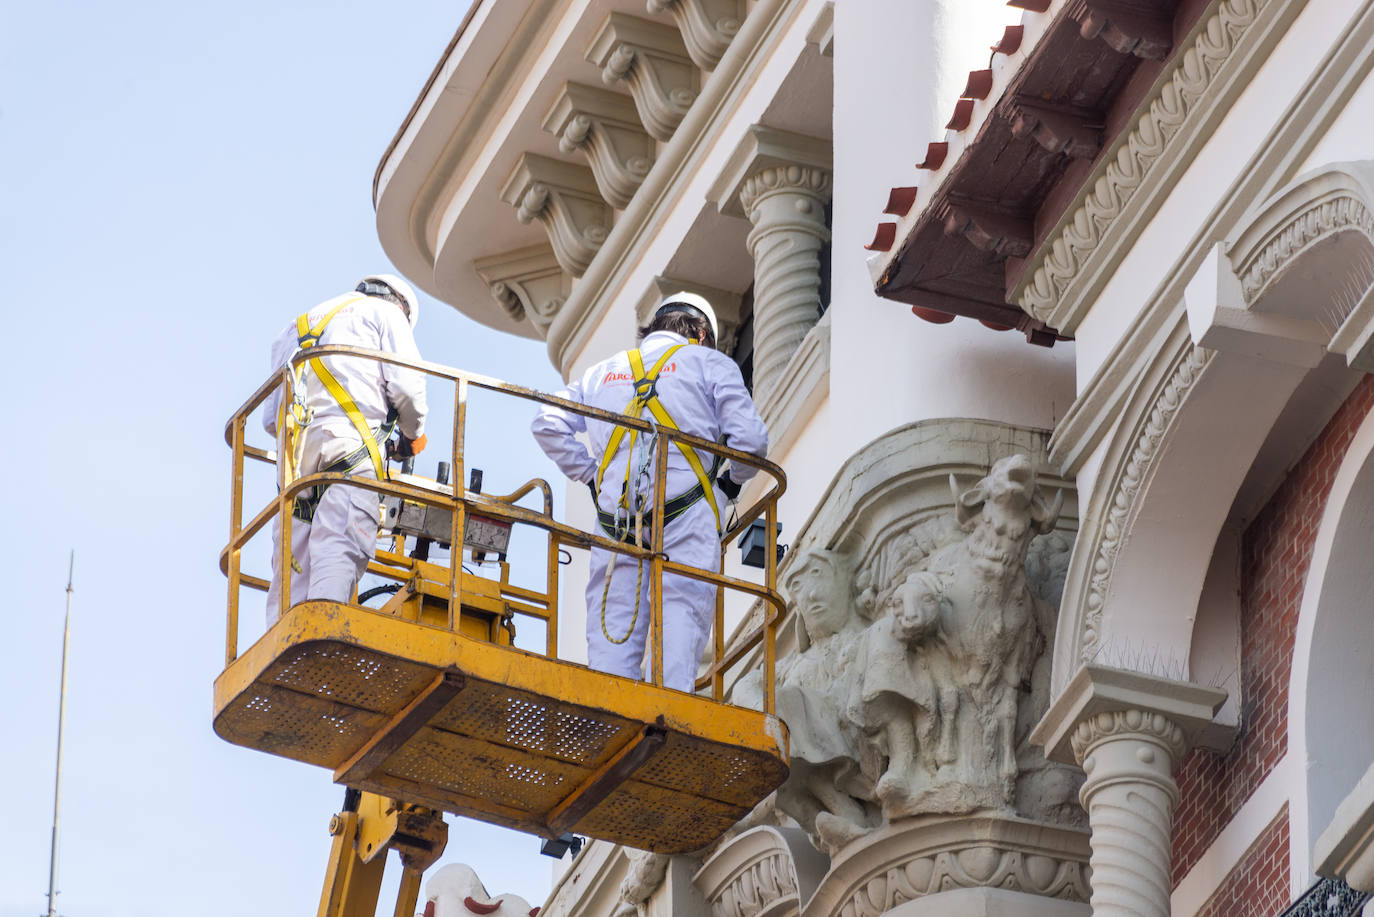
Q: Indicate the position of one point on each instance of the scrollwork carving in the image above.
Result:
(707, 26)
(565, 200)
(761, 885)
(973, 867)
(652, 62)
(605, 127)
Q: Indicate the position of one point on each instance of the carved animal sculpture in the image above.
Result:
(990, 630)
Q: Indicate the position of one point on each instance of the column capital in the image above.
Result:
(767, 158)
(1101, 702)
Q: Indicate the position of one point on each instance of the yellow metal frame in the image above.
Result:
(543, 605)
(653, 767)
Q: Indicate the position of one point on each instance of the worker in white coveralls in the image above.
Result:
(343, 413)
(679, 379)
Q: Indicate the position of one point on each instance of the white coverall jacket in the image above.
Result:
(334, 549)
(704, 393)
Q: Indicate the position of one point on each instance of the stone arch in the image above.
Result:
(1295, 284)
(1333, 656)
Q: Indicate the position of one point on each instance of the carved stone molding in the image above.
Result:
(707, 26)
(726, 304)
(529, 284)
(1318, 222)
(565, 200)
(1317, 206)
(1138, 725)
(1128, 731)
(765, 872)
(1187, 367)
(605, 126)
(913, 859)
(651, 60)
(782, 183)
(1186, 91)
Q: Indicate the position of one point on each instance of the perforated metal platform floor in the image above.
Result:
(431, 717)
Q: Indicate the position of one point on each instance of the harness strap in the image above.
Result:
(308, 336)
(646, 397)
(306, 502)
(671, 510)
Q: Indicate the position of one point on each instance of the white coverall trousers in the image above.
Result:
(689, 605)
(334, 549)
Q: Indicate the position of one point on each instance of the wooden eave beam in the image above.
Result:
(1074, 134)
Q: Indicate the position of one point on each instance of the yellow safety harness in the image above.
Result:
(618, 524)
(646, 398)
(300, 415)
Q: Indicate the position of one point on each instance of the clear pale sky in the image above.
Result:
(179, 181)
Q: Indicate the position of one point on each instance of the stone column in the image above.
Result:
(1128, 731)
(1130, 795)
(781, 182)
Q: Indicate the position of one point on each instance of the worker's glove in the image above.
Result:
(726, 491)
(408, 448)
(727, 484)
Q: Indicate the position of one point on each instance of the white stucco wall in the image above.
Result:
(899, 73)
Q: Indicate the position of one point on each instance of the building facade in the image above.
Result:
(1059, 317)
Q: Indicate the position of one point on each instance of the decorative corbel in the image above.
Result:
(529, 283)
(1128, 29)
(1055, 130)
(564, 198)
(604, 126)
(707, 26)
(652, 61)
(1005, 235)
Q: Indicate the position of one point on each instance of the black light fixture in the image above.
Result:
(556, 847)
(753, 544)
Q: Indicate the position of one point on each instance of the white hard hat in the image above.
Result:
(682, 301)
(410, 302)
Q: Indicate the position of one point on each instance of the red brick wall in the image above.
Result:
(1258, 885)
(1275, 554)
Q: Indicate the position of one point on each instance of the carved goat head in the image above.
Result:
(1011, 482)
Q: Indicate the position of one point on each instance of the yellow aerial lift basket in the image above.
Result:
(425, 700)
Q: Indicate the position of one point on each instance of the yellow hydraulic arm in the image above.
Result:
(364, 831)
